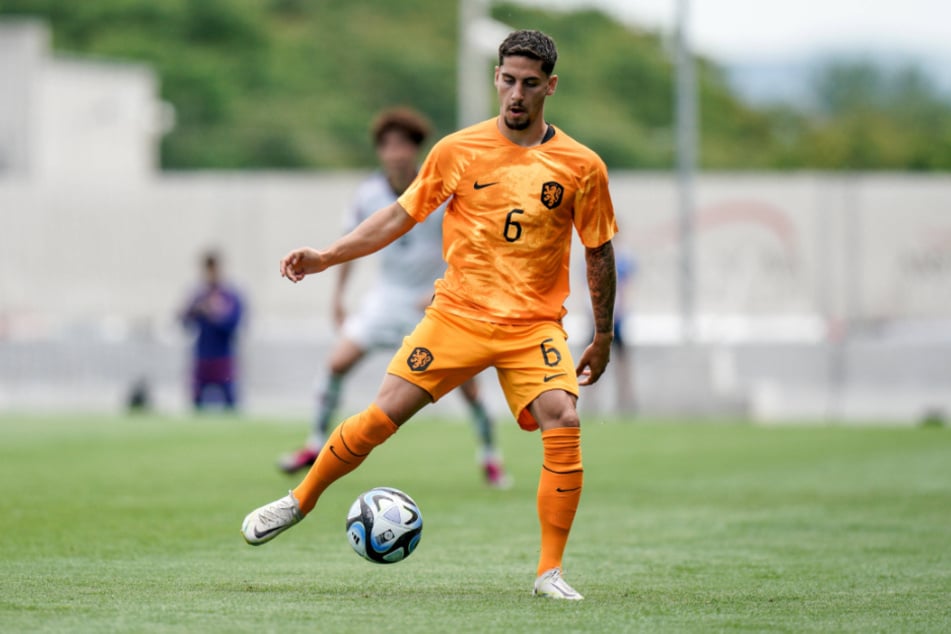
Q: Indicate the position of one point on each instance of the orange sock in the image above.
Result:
(345, 450)
(559, 491)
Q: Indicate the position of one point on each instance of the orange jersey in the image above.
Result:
(507, 229)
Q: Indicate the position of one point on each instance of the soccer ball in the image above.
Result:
(384, 525)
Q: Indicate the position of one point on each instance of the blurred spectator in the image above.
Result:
(214, 314)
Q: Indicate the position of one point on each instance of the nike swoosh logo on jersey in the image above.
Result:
(478, 185)
(554, 376)
(560, 490)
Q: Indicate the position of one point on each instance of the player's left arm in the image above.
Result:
(602, 284)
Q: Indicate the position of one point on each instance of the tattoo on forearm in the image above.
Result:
(602, 284)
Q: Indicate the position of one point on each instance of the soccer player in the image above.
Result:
(408, 268)
(516, 186)
(214, 313)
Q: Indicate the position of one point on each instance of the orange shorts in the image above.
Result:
(445, 351)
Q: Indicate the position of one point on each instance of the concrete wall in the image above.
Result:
(796, 251)
(73, 119)
(811, 288)
(23, 46)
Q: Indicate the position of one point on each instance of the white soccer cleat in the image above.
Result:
(265, 523)
(550, 585)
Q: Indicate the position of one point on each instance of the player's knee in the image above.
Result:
(470, 390)
(555, 409)
(555, 419)
(339, 367)
(342, 363)
(568, 418)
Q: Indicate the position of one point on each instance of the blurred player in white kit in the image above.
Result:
(408, 268)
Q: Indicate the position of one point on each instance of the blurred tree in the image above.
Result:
(294, 83)
(871, 117)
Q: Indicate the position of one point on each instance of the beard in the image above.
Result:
(517, 125)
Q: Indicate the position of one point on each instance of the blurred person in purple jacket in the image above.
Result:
(214, 315)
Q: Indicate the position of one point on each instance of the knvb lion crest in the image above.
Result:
(552, 194)
(419, 359)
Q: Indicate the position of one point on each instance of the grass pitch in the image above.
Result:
(131, 525)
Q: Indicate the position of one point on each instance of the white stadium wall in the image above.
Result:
(809, 267)
(865, 249)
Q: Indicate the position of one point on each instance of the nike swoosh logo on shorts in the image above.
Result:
(478, 185)
(554, 376)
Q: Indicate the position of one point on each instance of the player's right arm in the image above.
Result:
(371, 235)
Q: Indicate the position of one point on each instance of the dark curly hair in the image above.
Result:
(531, 44)
(411, 123)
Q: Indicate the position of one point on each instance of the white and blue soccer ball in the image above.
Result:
(384, 525)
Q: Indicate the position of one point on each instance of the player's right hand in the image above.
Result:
(302, 262)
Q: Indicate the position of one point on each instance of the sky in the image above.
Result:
(736, 30)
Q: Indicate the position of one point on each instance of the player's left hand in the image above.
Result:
(594, 359)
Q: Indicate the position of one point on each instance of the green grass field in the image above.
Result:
(131, 525)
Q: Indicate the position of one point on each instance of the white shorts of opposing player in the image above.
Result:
(386, 315)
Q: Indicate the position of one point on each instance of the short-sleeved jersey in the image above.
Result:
(411, 263)
(507, 229)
